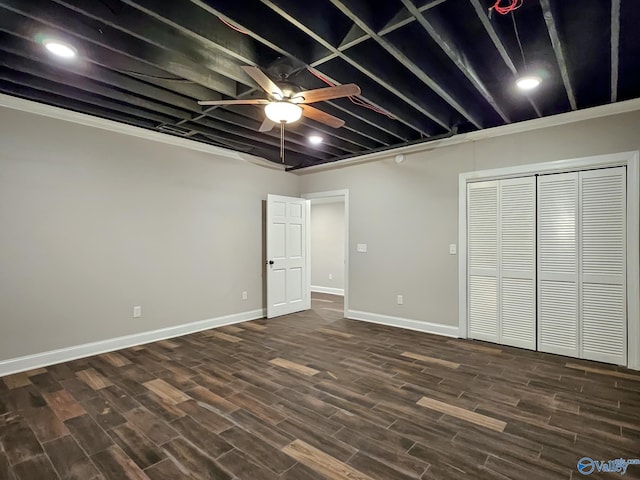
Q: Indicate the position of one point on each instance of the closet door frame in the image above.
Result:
(630, 160)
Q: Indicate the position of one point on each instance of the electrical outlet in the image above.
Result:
(331, 276)
(400, 300)
(137, 311)
(453, 249)
(361, 247)
(244, 295)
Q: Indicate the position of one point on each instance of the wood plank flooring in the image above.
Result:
(314, 396)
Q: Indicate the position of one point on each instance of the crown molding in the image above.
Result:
(510, 129)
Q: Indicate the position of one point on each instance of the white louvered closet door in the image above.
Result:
(482, 256)
(603, 265)
(558, 323)
(517, 262)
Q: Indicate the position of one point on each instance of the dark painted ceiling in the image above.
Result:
(426, 68)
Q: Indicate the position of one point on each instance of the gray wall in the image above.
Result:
(94, 222)
(327, 244)
(408, 213)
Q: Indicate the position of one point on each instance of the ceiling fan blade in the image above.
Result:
(329, 93)
(322, 117)
(248, 101)
(265, 82)
(266, 126)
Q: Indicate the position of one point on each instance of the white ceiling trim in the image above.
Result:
(42, 109)
(510, 129)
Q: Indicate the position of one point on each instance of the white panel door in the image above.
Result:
(482, 257)
(517, 262)
(603, 268)
(288, 286)
(558, 292)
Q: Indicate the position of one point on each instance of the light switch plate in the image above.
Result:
(453, 249)
(362, 248)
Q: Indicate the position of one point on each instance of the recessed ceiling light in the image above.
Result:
(315, 139)
(60, 49)
(529, 82)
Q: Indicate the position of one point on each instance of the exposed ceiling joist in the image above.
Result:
(615, 48)
(481, 12)
(401, 57)
(447, 44)
(137, 24)
(193, 22)
(559, 51)
(92, 36)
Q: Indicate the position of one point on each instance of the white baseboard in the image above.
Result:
(329, 290)
(45, 359)
(417, 325)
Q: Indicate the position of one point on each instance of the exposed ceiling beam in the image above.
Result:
(439, 35)
(401, 19)
(29, 50)
(46, 86)
(91, 87)
(57, 17)
(481, 12)
(411, 66)
(400, 115)
(615, 48)
(191, 20)
(364, 125)
(404, 17)
(151, 30)
(279, 38)
(18, 90)
(23, 41)
(559, 51)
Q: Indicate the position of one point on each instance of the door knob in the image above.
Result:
(270, 262)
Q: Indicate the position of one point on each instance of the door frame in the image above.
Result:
(631, 160)
(335, 193)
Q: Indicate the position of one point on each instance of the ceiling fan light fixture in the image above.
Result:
(280, 112)
(528, 82)
(60, 49)
(315, 139)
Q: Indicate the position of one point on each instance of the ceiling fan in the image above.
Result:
(287, 104)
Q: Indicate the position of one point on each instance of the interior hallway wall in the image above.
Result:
(327, 245)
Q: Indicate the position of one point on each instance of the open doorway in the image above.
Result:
(328, 250)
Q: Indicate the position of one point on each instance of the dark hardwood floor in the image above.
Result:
(313, 396)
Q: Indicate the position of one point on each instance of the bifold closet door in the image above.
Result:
(558, 264)
(602, 239)
(501, 261)
(482, 258)
(517, 262)
(582, 265)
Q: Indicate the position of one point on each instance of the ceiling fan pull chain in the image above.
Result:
(282, 124)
